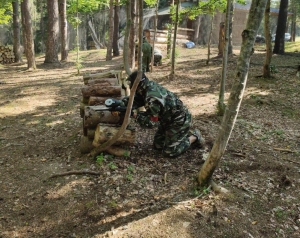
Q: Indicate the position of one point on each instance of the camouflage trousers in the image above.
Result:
(173, 139)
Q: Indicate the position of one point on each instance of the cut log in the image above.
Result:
(92, 118)
(110, 74)
(91, 133)
(118, 151)
(105, 132)
(86, 145)
(98, 90)
(93, 101)
(104, 81)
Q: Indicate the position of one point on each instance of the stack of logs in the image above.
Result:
(100, 126)
(6, 55)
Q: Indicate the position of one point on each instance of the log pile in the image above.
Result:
(100, 126)
(6, 55)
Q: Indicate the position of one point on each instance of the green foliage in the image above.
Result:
(99, 159)
(273, 69)
(5, 11)
(209, 7)
(84, 6)
(151, 3)
(130, 170)
(112, 166)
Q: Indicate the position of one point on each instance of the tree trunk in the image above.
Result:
(154, 34)
(294, 8)
(126, 38)
(249, 34)
(268, 57)
(53, 30)
(63, 29)
(281, 25)
(110, 30)
(116, 51)
(196, 29)
(132, 35)
(231, 11)
(221, 104)
(99, 90)
(105, 132)
(221, 39)
(16, 31)
(172, 74)
(209, 40)
(28, 35)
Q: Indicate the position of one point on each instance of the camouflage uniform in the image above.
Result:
(165, 110)
(147, 52)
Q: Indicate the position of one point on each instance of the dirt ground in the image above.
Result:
(145, 194)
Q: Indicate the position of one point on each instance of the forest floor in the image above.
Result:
(145, 194)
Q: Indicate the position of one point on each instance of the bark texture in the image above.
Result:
(28, 34)
(281, 25)
(53, 30)
(126, 38)
(110, 31)
(268, 58)
(116, 51)
(16, 31)
(63, 29)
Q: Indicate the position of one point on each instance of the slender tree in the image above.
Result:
(268, 57)
(281, 27)
(116, 51)
(53, 30)
(209, 39)
(154, 34)
(63, 29)
(231, 11)
(132, 34)
(110, 30)
(248, 38)
(16, 32)
(126, 37)
(172, 74)
(27, 34)
(221, 104)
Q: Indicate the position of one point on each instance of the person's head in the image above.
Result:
(142, 84)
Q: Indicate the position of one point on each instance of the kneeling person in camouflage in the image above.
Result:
(165, 110)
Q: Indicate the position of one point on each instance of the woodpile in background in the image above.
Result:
(6, 55)
(100, 126)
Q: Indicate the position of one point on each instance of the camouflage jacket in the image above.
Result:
(146, 49)
(162, 106)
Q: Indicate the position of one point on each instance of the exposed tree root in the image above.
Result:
(74, 172)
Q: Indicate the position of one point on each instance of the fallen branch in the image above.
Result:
(74, 172)
(284, 150)
(239, 154)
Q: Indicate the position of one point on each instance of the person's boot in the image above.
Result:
(200, 142)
